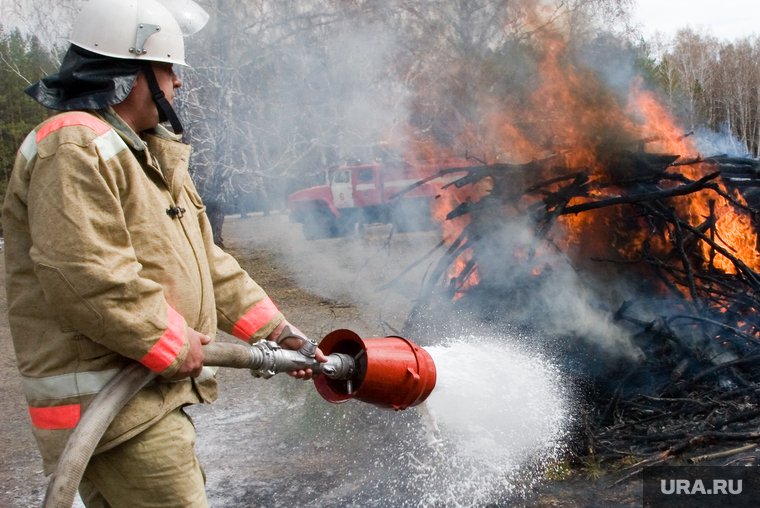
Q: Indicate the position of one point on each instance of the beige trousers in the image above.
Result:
(157, 468)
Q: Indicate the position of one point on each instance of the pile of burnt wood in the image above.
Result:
(698, 381)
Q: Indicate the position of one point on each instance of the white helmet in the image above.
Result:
(138, 29)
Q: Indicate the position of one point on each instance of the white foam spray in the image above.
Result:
(499, 414)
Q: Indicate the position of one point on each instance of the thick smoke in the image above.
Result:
(547, 295)
(354, 93)
(352, 101)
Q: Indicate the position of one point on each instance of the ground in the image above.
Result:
(276, 443)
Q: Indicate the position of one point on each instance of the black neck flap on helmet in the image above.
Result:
(86, 80)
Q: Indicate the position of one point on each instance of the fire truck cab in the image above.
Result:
(364, 194)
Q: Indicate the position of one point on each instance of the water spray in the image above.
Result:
(389, 372)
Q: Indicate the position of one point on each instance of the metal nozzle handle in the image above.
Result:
(265, 359)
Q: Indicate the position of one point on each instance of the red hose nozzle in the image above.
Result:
(392, 372)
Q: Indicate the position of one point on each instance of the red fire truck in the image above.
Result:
(361, 194)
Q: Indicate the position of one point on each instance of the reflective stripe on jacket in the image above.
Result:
(99, 274)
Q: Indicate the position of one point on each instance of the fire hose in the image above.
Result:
(389, 372)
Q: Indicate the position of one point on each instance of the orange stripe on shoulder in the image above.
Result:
(71, 119)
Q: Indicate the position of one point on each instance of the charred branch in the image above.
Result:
(701, 359)
(702, 183)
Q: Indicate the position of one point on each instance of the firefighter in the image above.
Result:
(110, 259)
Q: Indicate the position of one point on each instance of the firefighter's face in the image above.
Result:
(138, 109)
(166, 78)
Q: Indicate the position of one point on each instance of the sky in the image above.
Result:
(725, 19)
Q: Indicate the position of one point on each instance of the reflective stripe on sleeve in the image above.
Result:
(56, 417)
(169, 345)
(81, 119)
(66, 385)
(257, 317)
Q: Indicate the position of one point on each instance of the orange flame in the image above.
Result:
(447, 200)
(572, 117)
(733, 228)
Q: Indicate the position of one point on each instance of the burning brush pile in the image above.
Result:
(691, 311)
(613, 236)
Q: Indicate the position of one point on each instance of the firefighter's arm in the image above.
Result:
(243, 308)
(84, 260)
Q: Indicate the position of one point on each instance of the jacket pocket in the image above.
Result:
(57, 288)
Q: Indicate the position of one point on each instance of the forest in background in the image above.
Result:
(279, 90)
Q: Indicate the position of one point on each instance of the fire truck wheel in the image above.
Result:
(317, 226)
(343, 228)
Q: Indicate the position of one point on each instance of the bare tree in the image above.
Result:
(735, 93)
(49, 22)
(693, 60)
(302, 92)
(715, 84)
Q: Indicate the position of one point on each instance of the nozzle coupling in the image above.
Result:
(268, 359)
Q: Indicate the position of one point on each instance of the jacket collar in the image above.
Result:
(171, 157)
(133, 140)
(126, 133)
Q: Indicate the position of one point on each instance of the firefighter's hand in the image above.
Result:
(295, 343)
(193, 363)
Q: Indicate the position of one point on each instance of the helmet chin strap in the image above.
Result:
(165, 110)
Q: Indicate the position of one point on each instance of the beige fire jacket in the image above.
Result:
(109, 256)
